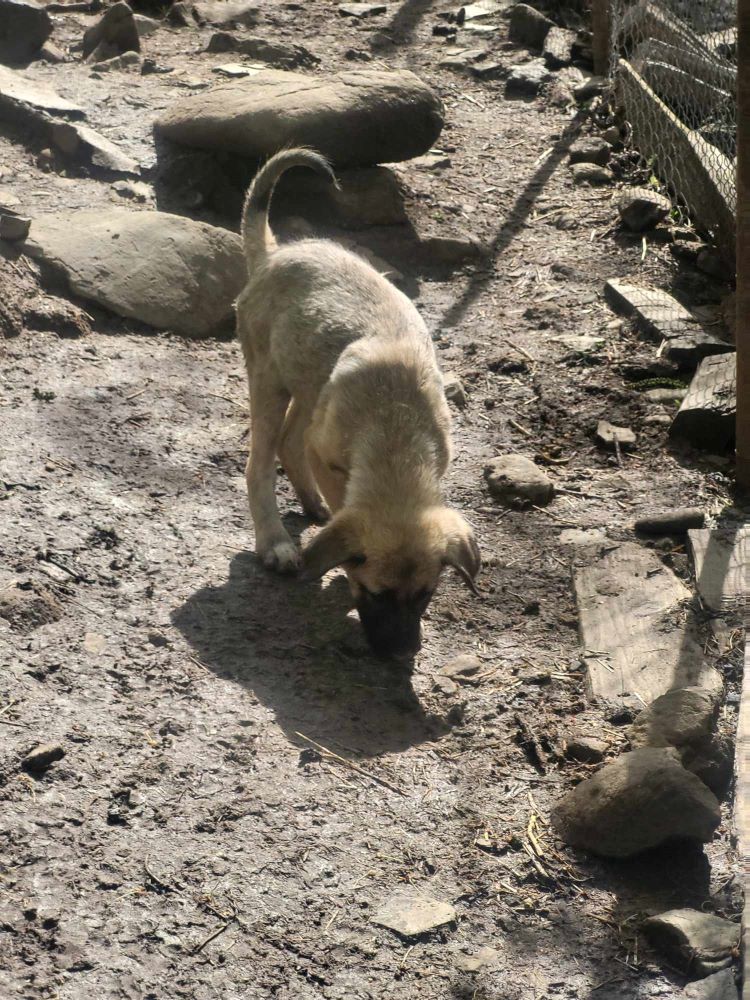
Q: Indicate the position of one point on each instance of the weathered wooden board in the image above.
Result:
(636, 628)
(692, 98)
(705, 176)
(707, 413)
(699, 65)
(722, 566)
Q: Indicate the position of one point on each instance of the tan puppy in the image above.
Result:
(345, 389)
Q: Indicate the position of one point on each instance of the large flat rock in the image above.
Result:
(161, 269)
(30, 95)
(24, 28)
(354, 118)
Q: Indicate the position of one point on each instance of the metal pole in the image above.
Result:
(601, 29)
(743, 245)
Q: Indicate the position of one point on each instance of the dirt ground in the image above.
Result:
(193, 842)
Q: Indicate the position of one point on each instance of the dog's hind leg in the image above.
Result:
(294, 460)
(268, 405)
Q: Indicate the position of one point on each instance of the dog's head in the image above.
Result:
(394, 570)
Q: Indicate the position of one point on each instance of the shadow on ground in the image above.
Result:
(301, 653)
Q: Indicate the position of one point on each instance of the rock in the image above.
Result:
(712, 761)
(362, 9)
(461, 667)
(128, 60)
(517, 481)
(167, 271)
(14, 227)
(641, 209)
(678, 718)
(449, 250)
(146, 25)
(91, 148)
(355, 118)
(24, 96)
(719, 986)
(57, 316)
(483, 8)
(586, 749)
(528, 27)
(558, 47)
(431, 161)
(671, 522)
(223, 13)
(583, 536)
(454, 390)
(479, 960)
(606, 433)
(114, 33)
(698, 943)
(236, 70)
(613, 136)
(51, 53)
(489, 70)
(370, 196)
(279, 54)
(411, 915)
(181, 14)
(590, 173)
(712, 263)
(527, 79)
(590, 149)
(135, 190)
(41, 757)
(24, 28)
(648, 783)
(665, 395)
(707, 414)
(593, 87)
(462, 60)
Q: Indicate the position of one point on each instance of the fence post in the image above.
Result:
(743, 245)
(601, 29)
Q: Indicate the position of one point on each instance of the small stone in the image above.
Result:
(479, 960)
(128, 60)
(528, 26)
(229, 14)
(606, 433)
(454, 390)
(14, 227)
(489, 70)
(222, 41)
(444, 685)
(134, 190)
(431, 161)
(590, 173)
(720, 986)
(641, 209)
(558, 47)
(51, 53)
(586, 749)
(236, 70)
(649, 783)
(411, 915)
(591, 149)
(698, 943)
(665, 395)
(671, 522)
(451, 250)
(43, 756)
(362, 9)
(527, 79)
(593, 87)
(517, 481)
(462, 666)
(612, 135)
(678, 718)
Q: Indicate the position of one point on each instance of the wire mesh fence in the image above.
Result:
(674, 65)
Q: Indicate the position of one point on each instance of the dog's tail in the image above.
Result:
(257, 237)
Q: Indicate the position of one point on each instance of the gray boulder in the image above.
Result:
(161, 269)
(698, 943)
(354, 118)
(528, 26)
(24, 28)
(641, 800)
(517, 482)
(677, 718)
(720, 986)
(114, 33)
(642, 208)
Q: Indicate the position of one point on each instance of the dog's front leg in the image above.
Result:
(268, 405)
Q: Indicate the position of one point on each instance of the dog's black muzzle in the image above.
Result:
(393, 628)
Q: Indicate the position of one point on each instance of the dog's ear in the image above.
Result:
(337, 543)
(461, 549)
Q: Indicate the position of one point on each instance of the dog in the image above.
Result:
(345, 389)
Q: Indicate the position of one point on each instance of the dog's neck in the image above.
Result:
(395, 481)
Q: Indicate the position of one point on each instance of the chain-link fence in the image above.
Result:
(674, 64)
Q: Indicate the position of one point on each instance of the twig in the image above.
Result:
(212, 937)
(165, 886)
(351, 764)
(516, 347)
(518, 427)
(618, 450)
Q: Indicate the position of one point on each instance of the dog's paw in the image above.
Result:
(317, 511)
(281, 556)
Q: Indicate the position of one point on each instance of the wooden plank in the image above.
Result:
(707, 413)
(694, 99)
(705, 177)
(701, 66)
(721, 557)
(635, 628)
(650, 20)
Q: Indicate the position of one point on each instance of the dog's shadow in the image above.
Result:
(297, 648)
